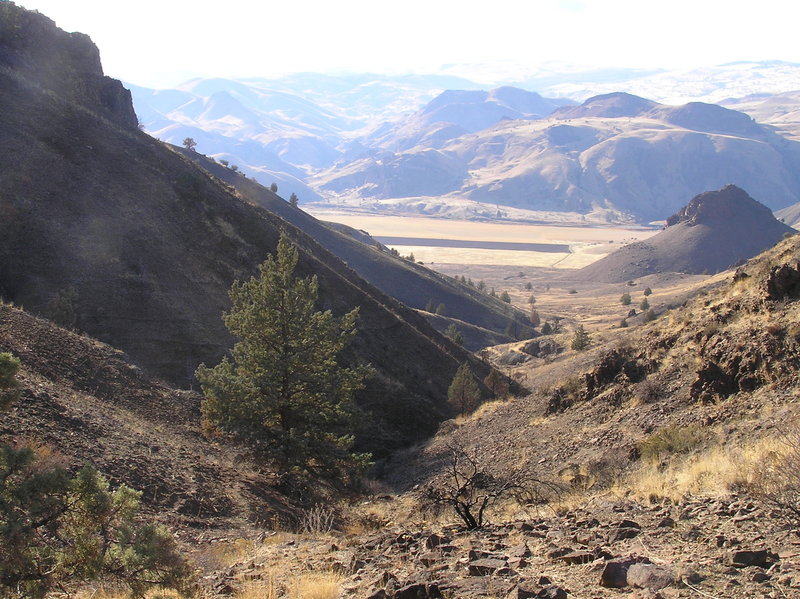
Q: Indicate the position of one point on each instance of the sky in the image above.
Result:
(161, 43)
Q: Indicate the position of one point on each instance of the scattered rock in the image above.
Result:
(650, 576)
(615, 572)
(763, 558)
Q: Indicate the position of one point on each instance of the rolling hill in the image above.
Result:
(615, 155)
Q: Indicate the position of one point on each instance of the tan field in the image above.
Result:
(545, 275)
(586, 244)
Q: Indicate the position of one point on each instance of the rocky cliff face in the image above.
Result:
(65, 64)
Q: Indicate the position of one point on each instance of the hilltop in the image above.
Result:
(713, 232)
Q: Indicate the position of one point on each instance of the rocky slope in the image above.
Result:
(82, 402)
(111, 232)
(720, 374)
(714, 231)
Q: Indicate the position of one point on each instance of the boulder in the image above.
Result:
(615, 572)
(650, 576)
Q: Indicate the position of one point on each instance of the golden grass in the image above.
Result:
(484, 409)
(315, 585)
(258, 589)
(716, 471)
(216, 556)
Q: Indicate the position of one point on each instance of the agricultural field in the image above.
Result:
(539, 267)
(437, 241)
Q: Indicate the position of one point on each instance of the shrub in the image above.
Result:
(625, 300)
(644, 305)
(496, 383)
(647, 291)
(650, 315)
(505, 297)
(673, 439)
(470, 489)
(776, 478)
(454, 334)
(649, 391)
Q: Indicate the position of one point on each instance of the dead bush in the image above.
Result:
(649, 391)
(470, 488)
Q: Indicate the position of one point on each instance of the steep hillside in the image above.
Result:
(713, 232)
(789, 215)
(109, 231)
(85, 402)
(412, 284)
(615, 154)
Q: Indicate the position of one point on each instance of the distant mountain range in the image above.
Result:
(614, 156)
(442, 145)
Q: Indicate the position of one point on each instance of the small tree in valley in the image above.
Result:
(284, 394)
(464, 393)
(581, 339)
(454, 334)
(496, 383)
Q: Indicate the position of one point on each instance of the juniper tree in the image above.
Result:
(581, 339)
(464, 393)
(454, 334)
(284, 394)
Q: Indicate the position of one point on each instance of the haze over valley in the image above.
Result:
(507, 309)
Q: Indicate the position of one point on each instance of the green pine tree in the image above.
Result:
(454, 334)
(464, 393)
(284, 394)
(581, 339)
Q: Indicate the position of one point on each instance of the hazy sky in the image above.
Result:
(158, 43)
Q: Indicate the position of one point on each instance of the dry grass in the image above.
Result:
(220, 555)
(114, 592)
(315, 585)
(258, 589)
(716, 471)
(482, 410)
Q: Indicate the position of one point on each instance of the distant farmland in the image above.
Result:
(449, 241)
